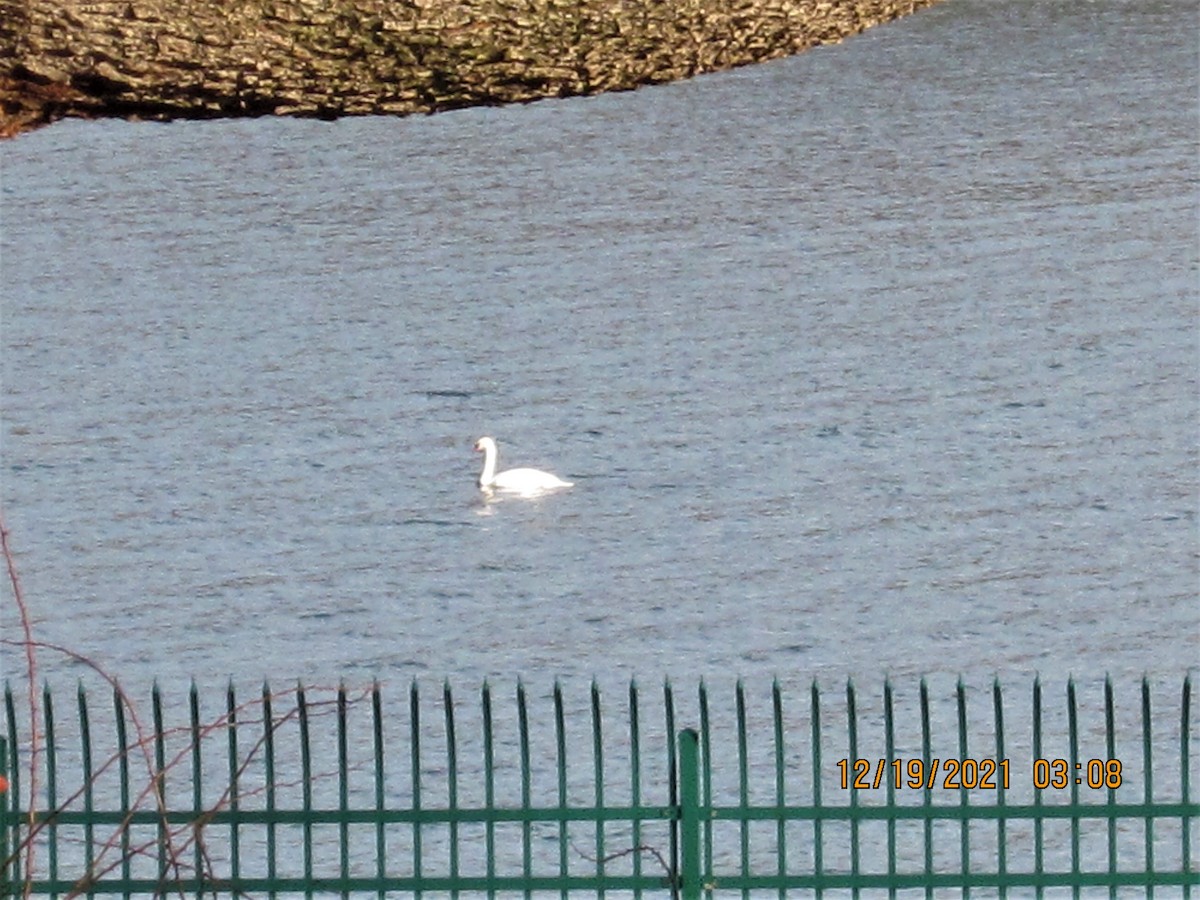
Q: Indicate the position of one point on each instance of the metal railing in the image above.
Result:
(302, 792)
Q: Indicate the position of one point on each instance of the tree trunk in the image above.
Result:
(164, 59)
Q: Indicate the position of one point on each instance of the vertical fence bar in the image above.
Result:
(1110, 746)
(560, 740)
(414, 743)
(635, 783)
(343, 754)
(889, 740)
(13, 773)
(927, 787)
(1073, 750)
(689, 803)
(89, 799)
(268, 720)
(379, 785)
(123, 771)
(815, 743)
(489, 781)
(780, 790)
(706, 774)
(1038, 836)
(163, 837)
(852, 735)
(526, 787)
(1148, 780)
(963, 794)
(197, 791)
(306, 798)
(598, 763)
(452, 776)
(51, 784)
(235, 802)
(1184, 784)
(8, 887)
(743, 785)
(1001, 788)
(672, 781)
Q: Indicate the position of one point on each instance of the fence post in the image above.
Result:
(4, 870)
(689, 815)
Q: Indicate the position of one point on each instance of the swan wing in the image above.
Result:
(526, 480)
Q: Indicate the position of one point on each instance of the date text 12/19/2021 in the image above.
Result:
(975, 774)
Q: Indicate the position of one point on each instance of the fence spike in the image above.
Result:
(743, 769)
(452, 778)
(1073, 742)
(963, 793)
(1038, 831)
(560, 739)
(160, 787)
(231, 716)
(780, 784)
(1001, 782)
(598, 769)
(14, 778)
(379, 785)
(1110, 746)
(198, 843)
(927, 788)
(526, 785)
(119, 703)
(414, 715)
(817, 774)
(672, 775)
(1148, 778)
(85, 740)
(343, 763)
(1185, 790)
(889, 746)
(489, 778)
(635, 783)
(706, 792)
(852, 729)
(8, 822)
(306, 780)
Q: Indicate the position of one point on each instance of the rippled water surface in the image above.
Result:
(882, 358)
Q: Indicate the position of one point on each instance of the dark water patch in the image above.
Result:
(449, 394)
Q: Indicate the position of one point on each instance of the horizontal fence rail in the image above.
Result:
(314, 791)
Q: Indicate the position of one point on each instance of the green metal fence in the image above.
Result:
(911, 790)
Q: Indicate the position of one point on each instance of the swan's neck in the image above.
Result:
(489, 466)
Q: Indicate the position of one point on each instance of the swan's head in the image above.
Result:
(485, 444)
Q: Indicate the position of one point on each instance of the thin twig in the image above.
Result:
(31, 674)
(629, 851)
(189, 834)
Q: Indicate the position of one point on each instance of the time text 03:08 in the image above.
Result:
(975, 774)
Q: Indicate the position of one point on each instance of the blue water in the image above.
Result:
(879, 359)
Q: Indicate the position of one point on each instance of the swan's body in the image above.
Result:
(520, 481)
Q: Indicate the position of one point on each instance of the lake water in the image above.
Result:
(878, 359)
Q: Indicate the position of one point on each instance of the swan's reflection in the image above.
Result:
(488, 498)
(485, 504)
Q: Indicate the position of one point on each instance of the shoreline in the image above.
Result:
(144, 60)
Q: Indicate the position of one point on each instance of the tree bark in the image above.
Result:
(164, 59)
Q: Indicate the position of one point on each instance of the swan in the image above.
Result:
(521, 481)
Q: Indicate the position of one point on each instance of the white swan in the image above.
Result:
(521, 481)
